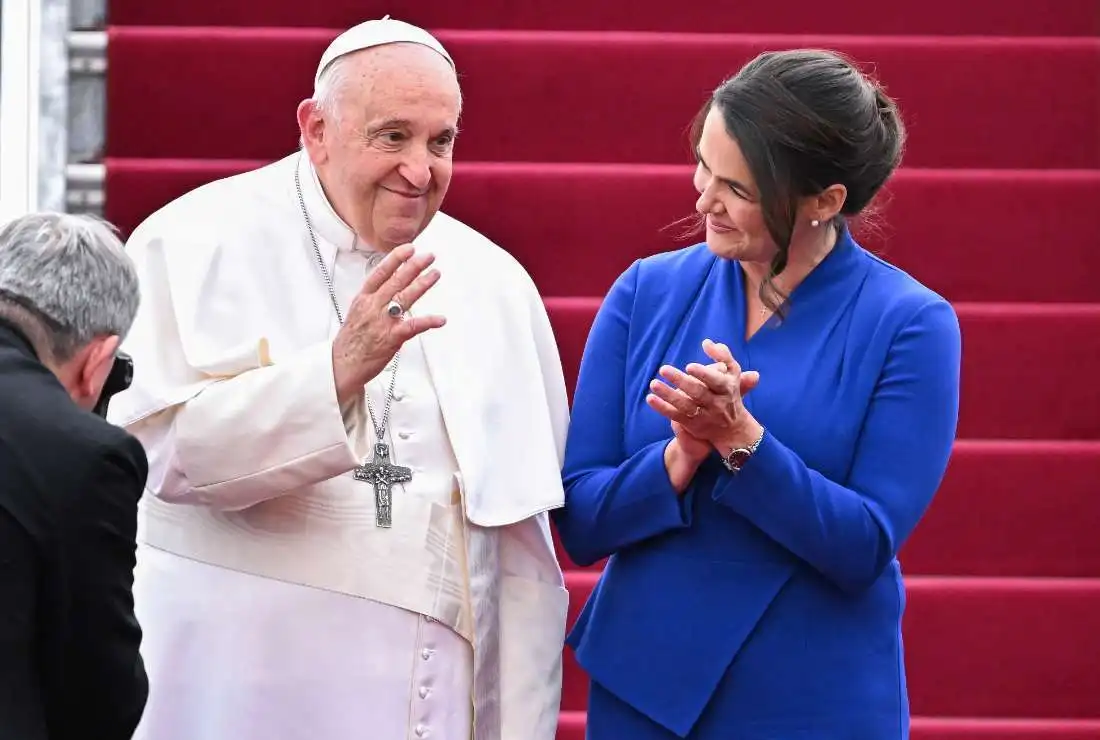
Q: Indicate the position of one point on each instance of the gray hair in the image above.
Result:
(71, 275)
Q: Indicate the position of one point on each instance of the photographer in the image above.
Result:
(69, 485)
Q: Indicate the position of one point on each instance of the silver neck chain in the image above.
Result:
(379, 429)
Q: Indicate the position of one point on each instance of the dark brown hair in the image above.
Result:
(804, 120)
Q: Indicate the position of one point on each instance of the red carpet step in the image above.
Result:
(997, 647)
(606, 97)
(947, 227)
(1005, 509)
(1028, 369)
(571, 727)
(1009, 18)
(1020, 508)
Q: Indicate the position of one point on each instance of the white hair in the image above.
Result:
(329, 87)
(327, 91)
(70, 274)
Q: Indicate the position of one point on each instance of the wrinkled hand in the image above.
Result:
(706, 401)
(370, 337)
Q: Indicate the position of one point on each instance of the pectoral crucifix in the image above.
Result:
(383, 475)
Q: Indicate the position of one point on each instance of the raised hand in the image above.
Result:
(370, 336)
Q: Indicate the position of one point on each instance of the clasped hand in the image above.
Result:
(704, 403)
(371, 336)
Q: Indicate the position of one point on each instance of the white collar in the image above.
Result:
(328, 225)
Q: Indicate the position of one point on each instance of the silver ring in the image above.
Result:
(393, 308)
(695, 413)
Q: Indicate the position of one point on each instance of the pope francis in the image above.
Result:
(354, 412)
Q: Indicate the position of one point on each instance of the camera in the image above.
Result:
(118, 380)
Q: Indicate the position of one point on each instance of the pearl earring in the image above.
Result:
(815, 223)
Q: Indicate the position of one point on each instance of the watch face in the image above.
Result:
(737, 458)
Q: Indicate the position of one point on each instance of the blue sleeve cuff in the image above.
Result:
(610, 509)
(661, 508)
(751, 492)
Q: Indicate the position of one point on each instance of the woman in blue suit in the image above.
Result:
(753, 491)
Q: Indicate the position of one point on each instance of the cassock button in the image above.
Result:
(421, 731)
(424, 691)
(404, 435)
(428, 619)
(425, 653)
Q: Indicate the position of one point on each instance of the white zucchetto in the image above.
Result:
(377, 33)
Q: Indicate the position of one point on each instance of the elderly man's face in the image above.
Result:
(385, 158)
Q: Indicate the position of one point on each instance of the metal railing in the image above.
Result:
(87, 75)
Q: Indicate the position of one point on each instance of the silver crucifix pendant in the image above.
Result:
(383, 475)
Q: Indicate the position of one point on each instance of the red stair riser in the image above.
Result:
(967, 252)
(611, 117)
(974, 647)
(1018, 361)
(995, 496)
(1066, 18)
(571, 727)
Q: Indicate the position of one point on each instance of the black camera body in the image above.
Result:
(118, 380)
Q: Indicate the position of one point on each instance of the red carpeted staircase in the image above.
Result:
(573, 156)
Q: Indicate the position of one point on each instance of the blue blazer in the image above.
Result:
(768, 603)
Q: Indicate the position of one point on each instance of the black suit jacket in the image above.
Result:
(69, 488)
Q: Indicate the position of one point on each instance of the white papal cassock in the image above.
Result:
(272, 605)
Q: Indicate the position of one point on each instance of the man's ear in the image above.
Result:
(94, 364)
(311, 125)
